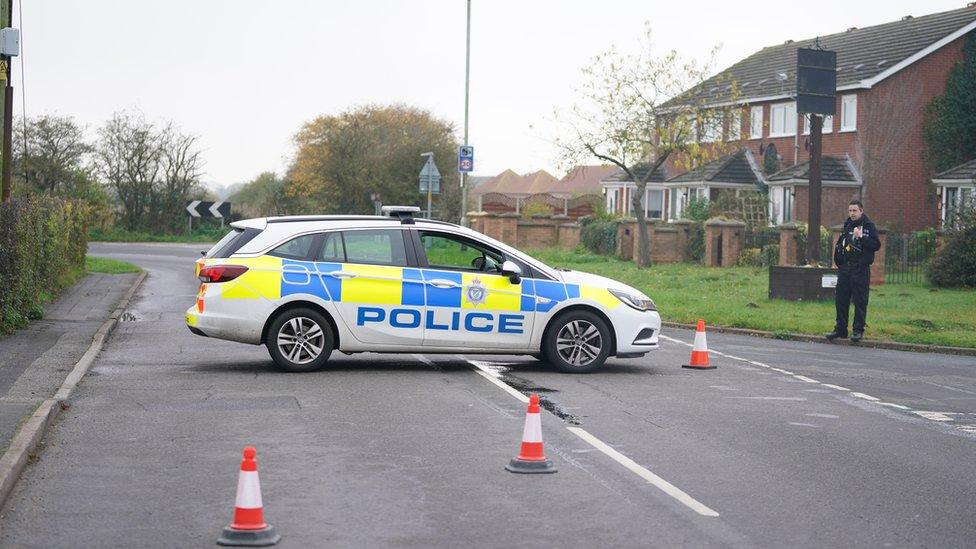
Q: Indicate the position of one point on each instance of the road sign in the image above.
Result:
(430, 177)
(465, 159)
(200, 208)
(816, 81)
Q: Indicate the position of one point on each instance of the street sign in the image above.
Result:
(816, 81)
(430, 177)
(465, 159)
(200, 208)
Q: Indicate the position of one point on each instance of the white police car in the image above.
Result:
(308, 286)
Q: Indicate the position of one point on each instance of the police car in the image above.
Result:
(306, 286)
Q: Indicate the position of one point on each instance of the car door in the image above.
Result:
(469, 302)
(379, 297)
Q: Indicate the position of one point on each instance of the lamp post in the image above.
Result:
(467, 77)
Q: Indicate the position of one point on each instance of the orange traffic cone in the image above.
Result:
(531, 458)
(248, 527)
(699, 353)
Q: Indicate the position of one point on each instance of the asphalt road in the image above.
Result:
(789, 444)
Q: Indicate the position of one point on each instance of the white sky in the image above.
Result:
(243, 75)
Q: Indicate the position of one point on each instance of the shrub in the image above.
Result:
(769, 255)
(750, 257)
(42, 248)
(535, 208)
(955, 264)
(599, 234)
(696, 243)
(826, 245)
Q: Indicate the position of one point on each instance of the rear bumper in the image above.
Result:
(223, 327)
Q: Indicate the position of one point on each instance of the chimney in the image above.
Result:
(907, 17)
(852, 29)
(790, 41)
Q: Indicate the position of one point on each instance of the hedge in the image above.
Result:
(42, 251)
(598, 235)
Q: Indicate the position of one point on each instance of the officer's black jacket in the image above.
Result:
(857, 252)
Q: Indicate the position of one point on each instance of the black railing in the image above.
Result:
(907, 255)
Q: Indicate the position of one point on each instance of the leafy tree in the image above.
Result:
(56, 160)
(642, 109)
(950, 122)
(342, 159)
(262, 196)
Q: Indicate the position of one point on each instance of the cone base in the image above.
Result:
(529, 467)
(249, 538)
(710, 367)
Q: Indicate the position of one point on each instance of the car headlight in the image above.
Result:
(635, 301)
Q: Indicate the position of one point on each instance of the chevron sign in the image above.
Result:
(200, 208)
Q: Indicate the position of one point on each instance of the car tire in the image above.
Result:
(577, 342)
(294, 336)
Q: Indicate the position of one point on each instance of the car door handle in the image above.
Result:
(441, 283)
(342, 274)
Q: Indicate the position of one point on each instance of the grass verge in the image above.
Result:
(109, 266)
(207, 235)
(738, 297)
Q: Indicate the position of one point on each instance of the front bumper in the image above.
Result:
(636, 331)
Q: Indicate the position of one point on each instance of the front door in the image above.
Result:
(380, 298)
(469, 302)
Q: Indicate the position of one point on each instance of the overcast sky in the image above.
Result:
(244, 75)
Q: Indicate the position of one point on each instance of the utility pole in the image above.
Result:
(6, 21)
(467, 78)
(814, 188)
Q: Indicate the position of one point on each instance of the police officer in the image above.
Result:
(854, 254)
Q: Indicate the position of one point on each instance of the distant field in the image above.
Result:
(737, 297)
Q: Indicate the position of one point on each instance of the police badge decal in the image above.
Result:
(476, 292)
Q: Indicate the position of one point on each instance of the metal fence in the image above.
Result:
(760, 237)
(907, 255)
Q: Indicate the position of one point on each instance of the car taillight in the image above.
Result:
(221, 273)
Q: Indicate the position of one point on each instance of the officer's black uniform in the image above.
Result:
(854, 257)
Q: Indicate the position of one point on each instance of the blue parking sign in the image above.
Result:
(465, 159)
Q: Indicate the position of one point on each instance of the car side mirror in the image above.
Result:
(512, 271)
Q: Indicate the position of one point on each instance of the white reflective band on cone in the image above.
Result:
(248, 490)
(700, 342)
(533, 428)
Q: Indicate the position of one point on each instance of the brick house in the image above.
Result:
(886, 76)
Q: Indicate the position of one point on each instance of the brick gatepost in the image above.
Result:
(789, 254)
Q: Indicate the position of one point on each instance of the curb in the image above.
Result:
(874, 343)
(29, 435)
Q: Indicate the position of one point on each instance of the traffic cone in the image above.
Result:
(248, 527)
(531, 458)
(699, 353)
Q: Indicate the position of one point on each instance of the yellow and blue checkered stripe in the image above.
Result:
(273, 278)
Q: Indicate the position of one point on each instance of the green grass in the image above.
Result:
(109, 266)
(737, 297)
(206, 235)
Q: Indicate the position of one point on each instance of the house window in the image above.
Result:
(735, 125)
(612, 201)
(653, 204)
(787, 204)
(955, 200)
(782, 119)
(675, 209)
(848, 113)
(756, 122)
(828, 124)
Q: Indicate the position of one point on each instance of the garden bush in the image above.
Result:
(955, 264)
(42, 250)
(598, 234)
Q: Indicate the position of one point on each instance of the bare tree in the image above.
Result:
(642, 109)
(152, 170)
(888, 119)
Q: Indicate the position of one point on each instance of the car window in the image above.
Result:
(377, 246)
(296, 248)
(332, 248)
(457, 253)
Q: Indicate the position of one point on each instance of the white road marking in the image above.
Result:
(934, 416)
(484, 370)
(803, 424)
(771, 398)
(828, 416)
(493, 377)
(424, 359)
(645, 474)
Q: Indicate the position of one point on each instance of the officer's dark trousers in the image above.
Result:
(852, 285)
